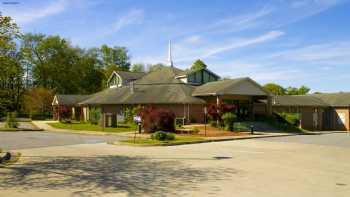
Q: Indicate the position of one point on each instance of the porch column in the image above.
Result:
(217, 106)
(252, 115)
(269, 105)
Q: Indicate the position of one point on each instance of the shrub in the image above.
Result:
(215, 112)
(11, 121)
(229, 118)
(129, 114)
(213, 123)
(162, 136)
(65, 113)
(155, 119)
(95, 115)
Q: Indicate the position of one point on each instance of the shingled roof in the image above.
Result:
(325, 99)
(298, 100)
(157, 87)
(130, 75)
(239, 86)
(66, 99)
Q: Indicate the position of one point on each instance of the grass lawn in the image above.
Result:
(10, 129)
(148, 141)
(122, 127)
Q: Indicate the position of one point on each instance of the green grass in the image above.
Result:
(122, 127)
(178, 139)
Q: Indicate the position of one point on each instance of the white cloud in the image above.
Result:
(195, 39)
(262, 73)
(240, 22)
(184, 52)
(134, 16)
(328, 53)
(24, 16)
(243, 43)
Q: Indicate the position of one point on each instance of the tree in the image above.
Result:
(11, 75)
(60, 67)
(275, 89)
(198, 65)
(38, 100)
(115, 57)
(138, 68)
(303, 90)
(154, 67)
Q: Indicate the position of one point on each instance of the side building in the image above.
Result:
(329, 111)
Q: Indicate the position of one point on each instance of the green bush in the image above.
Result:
(11, 121)
(95, 115)
(162, 136)
(129, 114)
(213, 123)
(229, 119)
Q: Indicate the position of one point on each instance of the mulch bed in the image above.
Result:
(216, 132)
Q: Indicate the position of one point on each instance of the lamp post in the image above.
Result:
(205, 120)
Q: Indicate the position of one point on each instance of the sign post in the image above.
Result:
(205, 120)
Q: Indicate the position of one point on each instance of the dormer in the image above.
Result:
(198, 77)
(122, 78)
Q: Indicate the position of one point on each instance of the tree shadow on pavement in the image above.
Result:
(93, 176)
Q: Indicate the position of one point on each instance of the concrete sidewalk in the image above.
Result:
(45, 126)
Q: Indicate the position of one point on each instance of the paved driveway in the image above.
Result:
(35, 139)
(244, 168)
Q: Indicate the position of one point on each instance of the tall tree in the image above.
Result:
(60, 67)
(198, 65)
(303, 90)
(275, 89)
(115, 58)
(138, 68)
(38, 100)
(11, 75)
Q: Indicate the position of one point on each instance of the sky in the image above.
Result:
(289, 42)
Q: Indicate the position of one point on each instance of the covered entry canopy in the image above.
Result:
(240, 86)
(243, 92)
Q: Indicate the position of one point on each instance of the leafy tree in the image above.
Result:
(55, 62)
(303, 90)
(38, 100)
(275, 89)
(138, 68)
(198, 65)
(154, 67)
(115, 57)
(11, 75)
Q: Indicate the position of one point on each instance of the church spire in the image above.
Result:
(170, 58)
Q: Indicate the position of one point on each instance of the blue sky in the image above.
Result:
(284, 41)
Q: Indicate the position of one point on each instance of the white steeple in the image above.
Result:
(170, 58)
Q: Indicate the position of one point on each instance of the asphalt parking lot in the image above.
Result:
(36, 139)
(288, 166)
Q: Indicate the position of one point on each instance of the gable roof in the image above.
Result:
(68, 99)
(163, 75)
(325, 99)
(126, 75)
(190, 71)
(157, 87)
(239, 86)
